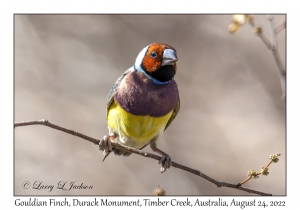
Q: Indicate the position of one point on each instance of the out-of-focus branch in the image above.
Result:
(142, 153)
(280, 68)
(239, 20)
(258, 31)
(273, 47)
(280, 27)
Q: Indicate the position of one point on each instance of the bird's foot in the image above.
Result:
(105, 145)
(165, 162)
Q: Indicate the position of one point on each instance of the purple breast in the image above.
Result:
(138, 95)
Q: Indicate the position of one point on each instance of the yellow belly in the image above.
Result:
(139, 128)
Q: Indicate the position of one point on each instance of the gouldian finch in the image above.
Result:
(143, 102)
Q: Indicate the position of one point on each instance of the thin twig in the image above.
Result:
(140, 152)
(280, 68)
(280, 27)
(262, 36)
(256, 173)
(273, 34)
(267, 166)
(274, 45)
(265, 40)
(246, 180)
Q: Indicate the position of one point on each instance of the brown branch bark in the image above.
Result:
(142, 153)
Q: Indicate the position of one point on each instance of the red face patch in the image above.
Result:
(154, 55)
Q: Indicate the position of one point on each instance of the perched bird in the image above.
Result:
(143, 102)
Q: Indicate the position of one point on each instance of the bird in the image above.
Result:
(143, 103)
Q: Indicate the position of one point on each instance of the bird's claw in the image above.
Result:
(165, 162)
(105, 145)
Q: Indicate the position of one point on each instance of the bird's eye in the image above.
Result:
(153, 54)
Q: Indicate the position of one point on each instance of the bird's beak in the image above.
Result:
(169, 57)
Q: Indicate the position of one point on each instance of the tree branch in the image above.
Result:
(280, 68)
(280, 27)
(273, 47)
(142, 153)
(261, 35)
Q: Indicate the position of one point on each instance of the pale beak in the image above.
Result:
(169, 57)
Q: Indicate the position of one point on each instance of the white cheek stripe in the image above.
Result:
(137, 66)
(139, 59)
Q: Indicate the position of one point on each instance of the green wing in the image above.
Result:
(175, 112)
(113, 90)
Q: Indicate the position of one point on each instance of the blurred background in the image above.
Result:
(231, 120)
